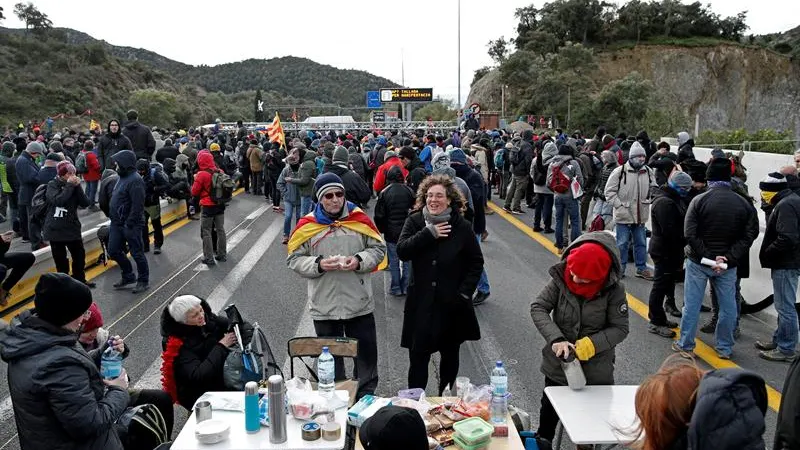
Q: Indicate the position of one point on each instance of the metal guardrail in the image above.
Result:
(345, 126)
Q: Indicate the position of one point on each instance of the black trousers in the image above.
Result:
(448, 368)
(363, 329)
(78, 254)
(275, 193)
(256, 182)
(157, 398)
(23, 221)
(548, 419)
(244, 181)
(158, 231)
(664, 276)
(18, 263)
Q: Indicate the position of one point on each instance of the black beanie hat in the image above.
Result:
(719, 169)
(773, 182)
(59, 299)
(394, 428)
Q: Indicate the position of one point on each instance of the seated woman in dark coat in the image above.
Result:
(196, 343)
(446, 263)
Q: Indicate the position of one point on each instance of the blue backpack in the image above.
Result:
(499, 156)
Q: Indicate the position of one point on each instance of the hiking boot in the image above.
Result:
(776, 355)
(710, 326)
(661, 331)
(517, 211)
(505, 208)
(688, 354)
(645, 274)
(123, 283)
(766, 346)
(670, 324)
(671, 309)
(538, 229)
(157, 251)
(479, 298)
(209, 262)
(140, 287)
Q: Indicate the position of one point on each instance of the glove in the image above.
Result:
(584, 349)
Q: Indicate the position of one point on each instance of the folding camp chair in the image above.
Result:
(311, 347)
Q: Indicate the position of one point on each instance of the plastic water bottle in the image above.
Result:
(499, 406)
(326, 369)
(110, 364)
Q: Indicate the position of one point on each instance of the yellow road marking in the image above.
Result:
(703, 351)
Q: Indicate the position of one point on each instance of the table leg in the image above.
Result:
(559, 436)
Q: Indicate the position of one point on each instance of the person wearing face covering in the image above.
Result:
(628, 190)
(582, 310)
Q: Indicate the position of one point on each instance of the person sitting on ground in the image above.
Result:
(195, 345)
(394, 428)
(582, 311)
(681, 407)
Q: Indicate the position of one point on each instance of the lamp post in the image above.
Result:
(459, 55)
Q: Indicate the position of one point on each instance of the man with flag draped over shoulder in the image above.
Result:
(337, 247)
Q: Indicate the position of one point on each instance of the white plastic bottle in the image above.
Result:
(326, 370)
(499, 406)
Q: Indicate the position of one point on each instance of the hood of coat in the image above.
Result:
(205, 161)
(729, 411)
(558, 159)
(182, 160)
(126, 159)
(169, 165)
(549, 152)
(29, 335)
(604, 238)
(108, 173)
(132, 125)
(395, 175)
(310, 157)
(171, 327)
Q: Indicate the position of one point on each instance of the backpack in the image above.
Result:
(498, 158)
(39, 202)
(253, 360)
(222, 187)
(559, 181)
(540, 172)
(513, 155)
(80, 164)
(142, 426)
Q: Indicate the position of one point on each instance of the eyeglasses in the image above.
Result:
(330, 195)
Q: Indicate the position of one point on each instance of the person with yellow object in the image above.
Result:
(582, 310)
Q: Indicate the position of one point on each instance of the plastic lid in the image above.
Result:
(324, 349)
(498, 364)
(473, 430)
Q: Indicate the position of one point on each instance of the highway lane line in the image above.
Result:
(704, 351)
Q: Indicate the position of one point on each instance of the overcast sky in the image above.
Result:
(368, 35)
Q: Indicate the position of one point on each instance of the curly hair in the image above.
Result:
(457, 201)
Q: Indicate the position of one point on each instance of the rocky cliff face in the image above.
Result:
(727, 85)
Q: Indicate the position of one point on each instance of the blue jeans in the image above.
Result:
(398, 269)
(694, 289)
(288, 208)
(306, 205)
(573, 209)
(624, 232)
(118, 235)
(91, 191)
(483, 283)
(784, 287)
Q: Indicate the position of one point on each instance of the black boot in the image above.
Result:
(671, 309)
(711, 325)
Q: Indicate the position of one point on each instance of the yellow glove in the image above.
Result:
(584, 349)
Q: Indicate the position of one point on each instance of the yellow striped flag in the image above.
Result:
(275, 131)
(93, 125)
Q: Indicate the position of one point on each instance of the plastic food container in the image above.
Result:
(473, 431)
(413, 394)
(212, 431)
(464, 446)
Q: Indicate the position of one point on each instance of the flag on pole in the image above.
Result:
(93, 125)
(275, 131)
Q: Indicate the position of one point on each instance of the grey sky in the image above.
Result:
(351, 34)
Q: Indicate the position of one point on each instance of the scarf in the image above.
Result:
(443, 217)
(717, 184)
(589, 261)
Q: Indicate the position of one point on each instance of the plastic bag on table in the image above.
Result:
(476, 401)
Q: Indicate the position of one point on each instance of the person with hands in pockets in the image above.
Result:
(582, 310)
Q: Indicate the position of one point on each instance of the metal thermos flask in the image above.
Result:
(277, 409)
(576, 380)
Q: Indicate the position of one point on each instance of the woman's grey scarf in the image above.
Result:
(431, 220)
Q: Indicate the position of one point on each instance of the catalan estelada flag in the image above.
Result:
(316, 221)
(275, 131)
(93, 125)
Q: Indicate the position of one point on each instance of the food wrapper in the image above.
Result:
(303, 400)
(475, 402)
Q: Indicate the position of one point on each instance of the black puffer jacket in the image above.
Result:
(523, 167)
(787, 432)
(197, 368)
(781, 246)
(719, 222)
(393, 206)
(142, 140)
(356, 189)
(60, 401)
(667, 213)
(107, 184)
(61, 224)
(476, 188)
(416, 173)
(729, 413)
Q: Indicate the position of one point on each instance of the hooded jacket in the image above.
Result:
(539, 166)
(62, 224)
(142, 140)
(380, 174)
(394, 203)
(92, 166)
(202, 180)
(289, 192)
(474, 182)
(780, 248)
(28, 176)
(59, 398)
(198, 356)
(787, 431)
(628, 190)
(168, 151)
(307, 175)
(560, 315)
(356, 189)
(127, 201)
(729, 412)
(570, 167)
(254, 155)
(523, 168)
(107, 184)
(667, 214)
(110, 143)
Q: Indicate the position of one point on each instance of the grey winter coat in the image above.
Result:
(560, 315)
(289, 192)
(548, 153)
(628, 190)
(59, 399)
(571, 168)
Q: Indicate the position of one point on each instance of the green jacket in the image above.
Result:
(4, 177)
(308, 172)
(559, 315)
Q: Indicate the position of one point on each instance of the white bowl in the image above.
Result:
(212, 431)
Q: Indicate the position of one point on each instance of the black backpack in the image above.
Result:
(142, 426)
(39, 202)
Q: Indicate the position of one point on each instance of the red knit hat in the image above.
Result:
(589, 261)
(95, 319)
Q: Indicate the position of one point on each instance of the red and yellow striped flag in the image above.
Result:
(275, 131)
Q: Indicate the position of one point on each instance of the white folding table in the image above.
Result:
(595, 415)
(239, 439)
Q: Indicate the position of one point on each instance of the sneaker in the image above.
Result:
(479, 298)
(140, 287)
(737, 333)
(193, 217)
(661, 331)
(723, 356)
(776, 355)
(670, 324)
(765, 346)
(538, 229)
(123, 283)
(221, 258)
(157, 251)
(549, 231)
(285, 240)
(25, 240)
(90, 284)
(688, 354)
(209, 262)
(517, 211)
(505, 208)
(560, 250)
(710, 326)
(645, 274)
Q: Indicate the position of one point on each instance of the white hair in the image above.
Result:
(181, 305)
(797, 152)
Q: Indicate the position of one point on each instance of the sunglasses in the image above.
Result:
(330, 195)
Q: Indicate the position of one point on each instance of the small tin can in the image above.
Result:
(310, 431)
(331, 431)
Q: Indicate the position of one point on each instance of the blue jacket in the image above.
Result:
(127, 201)
(28, 177)
(47, 174)
(426, 155)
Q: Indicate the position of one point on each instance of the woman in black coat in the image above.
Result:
(62, 227)
(446, 265)
(196, 343)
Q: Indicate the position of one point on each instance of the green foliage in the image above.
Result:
(155, 107)
(34, 19)
(440, 110)
(480, 73)
(624, 103)
(498, 50)
(768, 140)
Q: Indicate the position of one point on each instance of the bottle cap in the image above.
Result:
(251, 388)
(498, 364)
(325, 349)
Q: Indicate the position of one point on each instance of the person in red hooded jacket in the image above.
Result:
(212, 222)
(390, 160)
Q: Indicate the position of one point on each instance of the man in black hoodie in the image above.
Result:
(167, 151)
(142, 140)
(414, 166)
(155, 183)
(391, 210)
(110, 143)
(356, 189)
